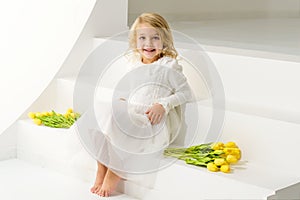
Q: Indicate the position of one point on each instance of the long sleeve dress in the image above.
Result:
(124, 122)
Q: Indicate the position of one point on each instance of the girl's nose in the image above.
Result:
(148, 42)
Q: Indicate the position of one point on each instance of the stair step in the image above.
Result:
(60, 149)
(259, 174)
(179, 181)
(21, 180)
(268, 146)
(291, 192)
(259, 97)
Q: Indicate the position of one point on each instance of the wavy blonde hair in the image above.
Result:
(162, 27)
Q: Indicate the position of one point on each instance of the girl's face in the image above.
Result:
(148, 42)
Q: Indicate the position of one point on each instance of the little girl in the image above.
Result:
(151, 45)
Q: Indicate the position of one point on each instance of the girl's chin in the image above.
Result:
(147, 59)
(149, 55)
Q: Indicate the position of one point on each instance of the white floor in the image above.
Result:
(22, 181)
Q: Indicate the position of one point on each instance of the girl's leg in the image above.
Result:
(99, 178)
(110, 183)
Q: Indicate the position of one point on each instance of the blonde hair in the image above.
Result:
(161, 25)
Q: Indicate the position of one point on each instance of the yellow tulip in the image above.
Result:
(70, 110)
(231, 151)
(230, 145)
(212, 167)
(44, 113)
(37, 121)
(218, 146)
(31, 115)
(231, 159)
(219, 161)
(225, 168)
(238, 156)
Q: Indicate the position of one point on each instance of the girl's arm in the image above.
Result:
(181, 93)
(181, 90)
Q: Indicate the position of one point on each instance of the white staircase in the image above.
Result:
(262, 117)
(258, 175)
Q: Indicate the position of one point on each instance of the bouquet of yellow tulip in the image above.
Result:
(54, 119)
(214, 156)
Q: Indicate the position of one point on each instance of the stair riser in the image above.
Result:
(266, 142)
(58, 149)
(8, 143)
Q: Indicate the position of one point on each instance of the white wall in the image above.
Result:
(210, 9)
(62, 86)
(107, 18)
(36, 37)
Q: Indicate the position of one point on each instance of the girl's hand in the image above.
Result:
(155, 113)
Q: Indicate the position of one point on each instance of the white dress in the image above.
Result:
(124, 123)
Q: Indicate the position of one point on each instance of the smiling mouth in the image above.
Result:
(149, 50)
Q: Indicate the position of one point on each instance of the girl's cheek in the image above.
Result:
(159, 45)
(139, 44)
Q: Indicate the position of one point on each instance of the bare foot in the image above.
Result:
(99, 178)
(110, 183)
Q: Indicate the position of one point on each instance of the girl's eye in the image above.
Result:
(142, 38)
(156, 38)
